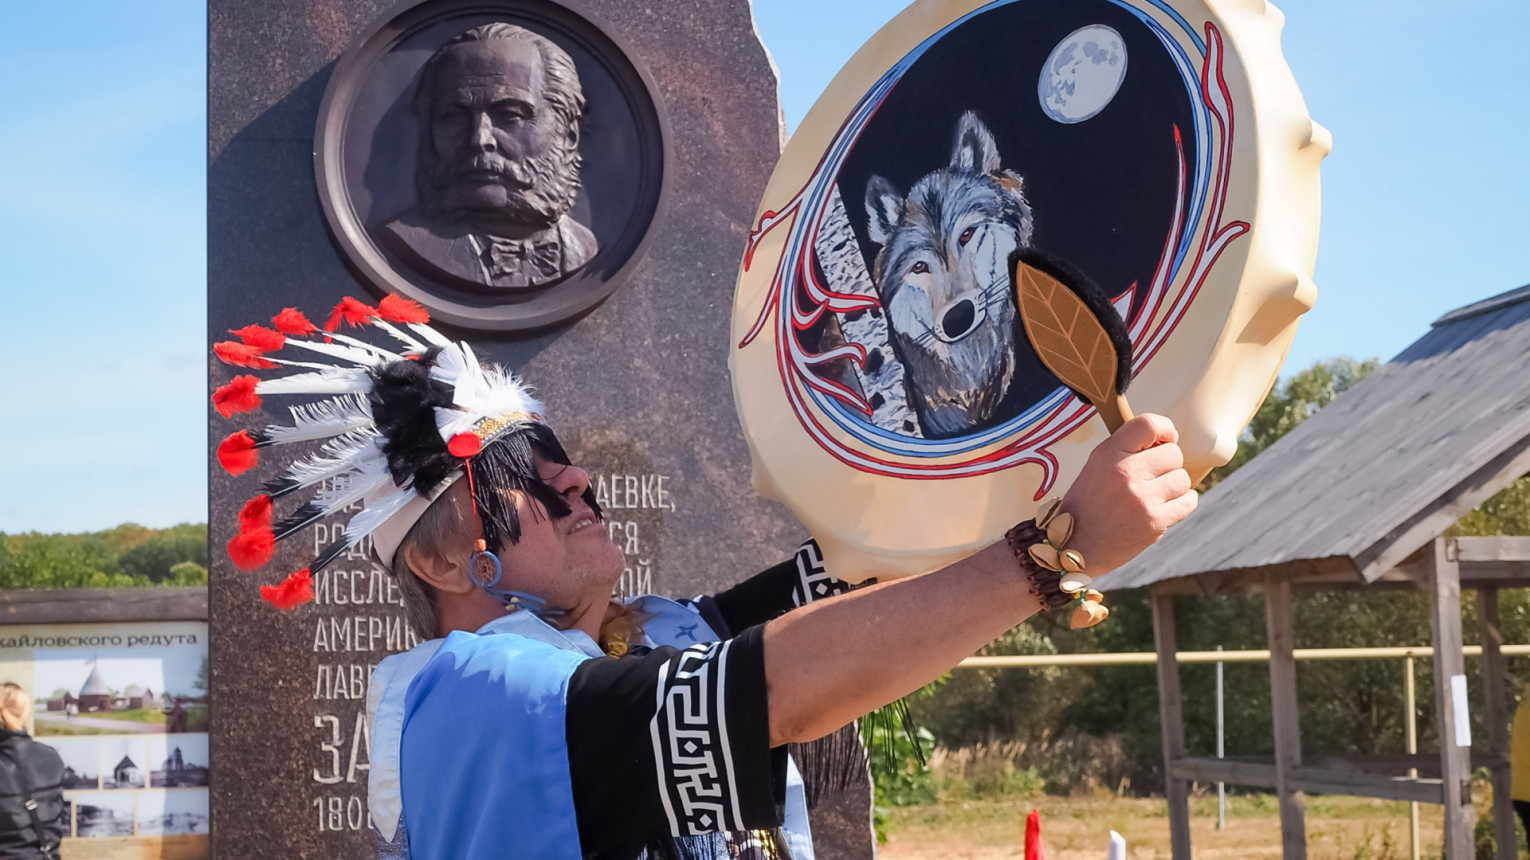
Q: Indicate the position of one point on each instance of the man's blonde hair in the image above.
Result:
(15, 707)
(434, 532)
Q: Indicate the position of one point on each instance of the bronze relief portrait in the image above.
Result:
(502, 166)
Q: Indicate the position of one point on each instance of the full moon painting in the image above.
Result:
(1083, 74)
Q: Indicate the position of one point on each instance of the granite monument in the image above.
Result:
(350, 154)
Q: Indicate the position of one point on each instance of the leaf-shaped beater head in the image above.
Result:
(1075, 331)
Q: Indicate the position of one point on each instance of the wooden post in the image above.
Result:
(1495, 690)
(1281, 635)
(1451, 706)
(1171, 719)
(1410, 723)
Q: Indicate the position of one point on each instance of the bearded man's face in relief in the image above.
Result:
(500, 155)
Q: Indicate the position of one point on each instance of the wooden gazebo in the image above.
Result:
(1360, 495)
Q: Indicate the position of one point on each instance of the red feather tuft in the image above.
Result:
(464, 445)
(295, 591)
(237, 453)
(241, 355)
(401, 310)
(250, 550)
(255, 515)
(292, 323)
(237, 396)
(350, 312)
(261, 338)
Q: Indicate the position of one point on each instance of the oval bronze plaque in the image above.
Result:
(501, 162)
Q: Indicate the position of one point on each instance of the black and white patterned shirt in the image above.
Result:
(669, 748)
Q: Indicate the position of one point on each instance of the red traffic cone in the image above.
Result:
(1033, 847)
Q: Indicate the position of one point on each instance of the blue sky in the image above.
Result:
(103, 183)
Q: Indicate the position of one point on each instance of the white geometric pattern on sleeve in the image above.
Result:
(813, 580)
(697, 779)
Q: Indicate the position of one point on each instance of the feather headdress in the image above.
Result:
(395, 427)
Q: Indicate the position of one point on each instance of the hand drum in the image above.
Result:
(885, 376)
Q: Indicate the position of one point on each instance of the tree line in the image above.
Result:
(126, 556)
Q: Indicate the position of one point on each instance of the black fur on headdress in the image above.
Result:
(404, 399)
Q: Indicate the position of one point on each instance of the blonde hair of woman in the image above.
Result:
(15, 707)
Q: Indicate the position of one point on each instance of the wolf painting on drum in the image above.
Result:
(1114, 138)
(941, 273)
(908, 218)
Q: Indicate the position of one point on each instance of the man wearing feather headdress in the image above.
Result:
(542, 719)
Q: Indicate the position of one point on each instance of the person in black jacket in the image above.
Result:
(32, 819)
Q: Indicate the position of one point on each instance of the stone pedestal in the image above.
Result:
(638, 389)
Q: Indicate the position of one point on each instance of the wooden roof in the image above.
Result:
(1358, 488)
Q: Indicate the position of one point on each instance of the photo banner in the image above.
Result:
(125, 707)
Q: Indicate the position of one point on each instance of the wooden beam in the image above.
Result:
(1451, 706)
(1317, 780)
(1495, 680)
(1338, 570)
(1208, 770)
(1495, 574)
(1479, 571)
(1181, 586)
(1172, 723)
(1489, 549)
(1281, 635)
(1437, 516)
(1427, 764)
(1361, 784)
(103, 605)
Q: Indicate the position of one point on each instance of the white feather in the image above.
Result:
(433, 337)
(472, 388)
(352, 487)
(477, 392)
(409, 343)
(508, 393)
(454, 367)
(313, 364)
(352, 452)
(470, 357)
(460, 370)
(312, 471)
(377, 513)
(450, 422)
(339, 380)
(450, 365)
(323, 419)
(365, 357)
(361, 344)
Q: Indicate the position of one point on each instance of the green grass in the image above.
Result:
(196, 721)
(54, 730)
(136, 715)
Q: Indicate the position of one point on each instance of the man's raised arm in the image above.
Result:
(835, 660)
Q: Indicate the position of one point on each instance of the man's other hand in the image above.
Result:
(1132, 489)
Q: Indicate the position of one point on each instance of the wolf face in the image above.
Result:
(942, 274)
